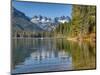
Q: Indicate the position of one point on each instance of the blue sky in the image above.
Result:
(45, 9)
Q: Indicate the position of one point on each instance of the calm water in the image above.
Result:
(41, 55)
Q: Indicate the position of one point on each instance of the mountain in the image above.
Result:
(21, 22)
(43, 22)
(62, 19)
(37, 23)
(40, 19)
(49, 24)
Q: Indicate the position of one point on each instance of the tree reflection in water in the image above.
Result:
(42, 52)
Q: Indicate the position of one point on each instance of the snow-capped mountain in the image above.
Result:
(49, 24)
(62, 19)
(40, 19)
(43, 22)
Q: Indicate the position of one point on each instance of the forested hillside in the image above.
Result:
(82, 24)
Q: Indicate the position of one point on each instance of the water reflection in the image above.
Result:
(84, 55)
(39, 55)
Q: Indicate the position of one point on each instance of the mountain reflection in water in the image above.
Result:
(41, 55)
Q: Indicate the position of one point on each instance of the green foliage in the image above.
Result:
(83, 19)
(83, 22)
(63, 28)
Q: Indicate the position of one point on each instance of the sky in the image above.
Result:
(31, 9)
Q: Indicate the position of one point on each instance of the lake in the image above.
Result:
(51, 54)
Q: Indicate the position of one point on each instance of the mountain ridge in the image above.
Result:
(47, 23)
(21, 22)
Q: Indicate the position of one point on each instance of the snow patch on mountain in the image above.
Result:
(49, 24)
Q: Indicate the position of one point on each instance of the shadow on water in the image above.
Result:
(39, 55)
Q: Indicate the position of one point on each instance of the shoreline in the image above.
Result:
(90, 37)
